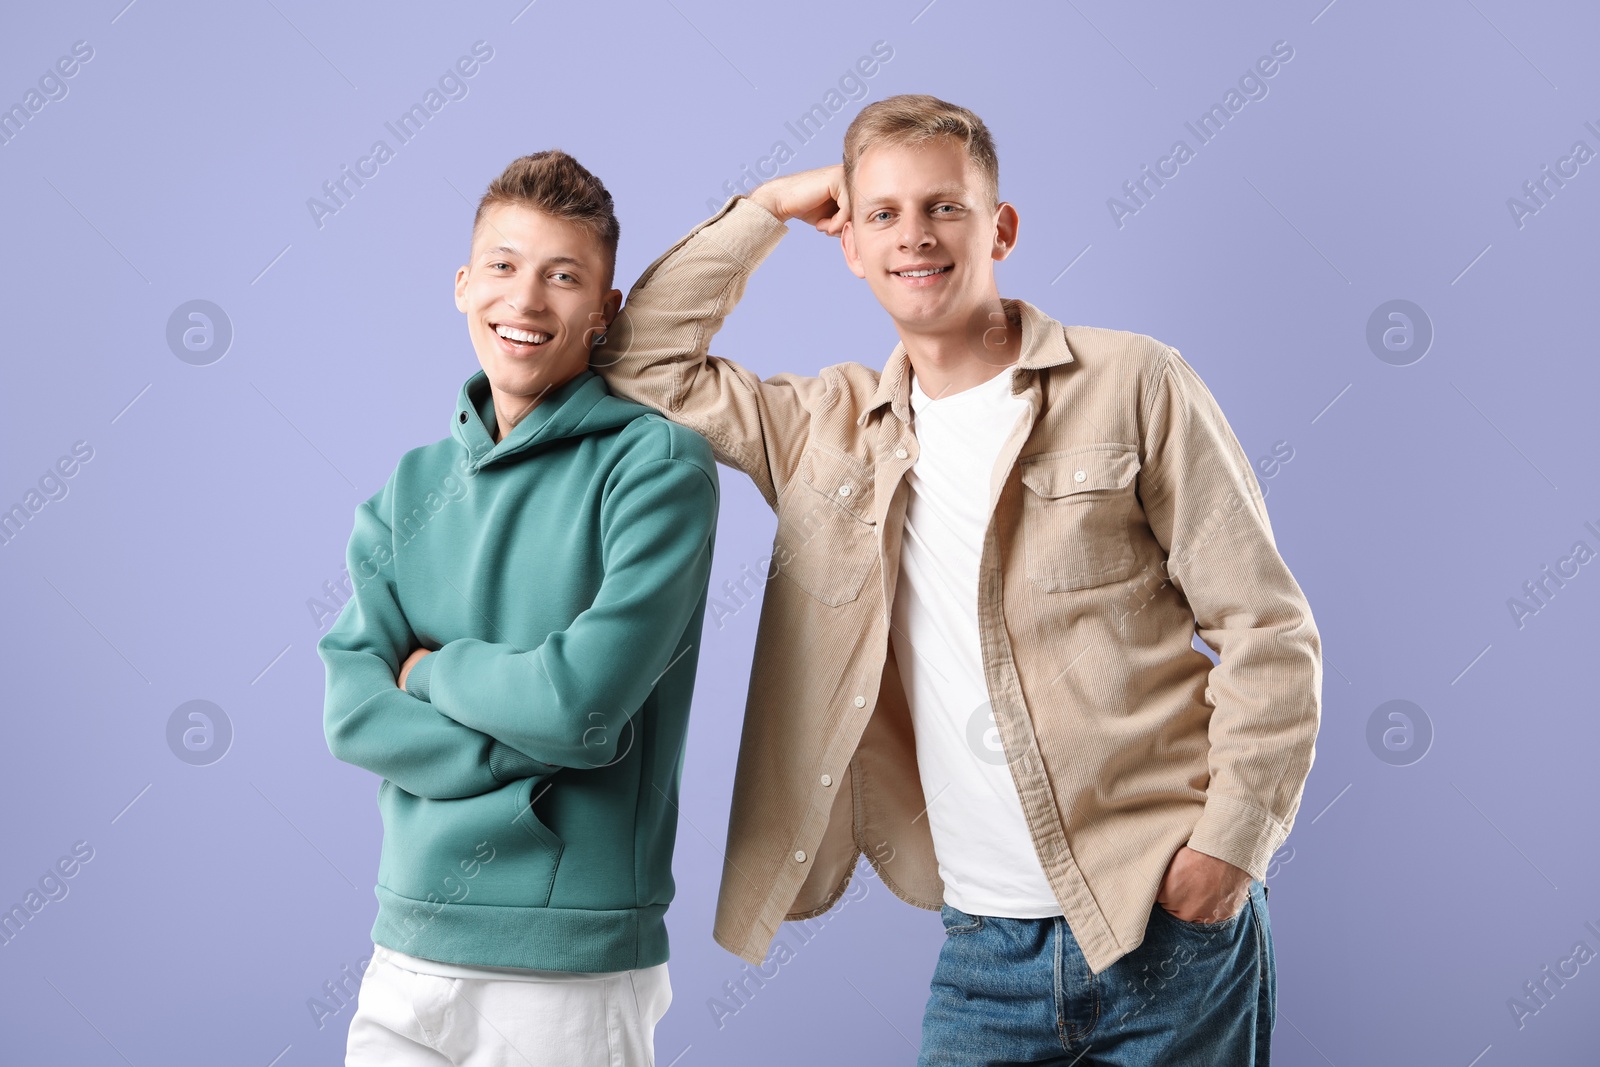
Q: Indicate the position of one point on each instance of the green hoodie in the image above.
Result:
(531, 764)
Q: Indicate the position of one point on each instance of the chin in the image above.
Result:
(921, 316)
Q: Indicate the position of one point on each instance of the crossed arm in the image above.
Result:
(368, 720)
(477, 714)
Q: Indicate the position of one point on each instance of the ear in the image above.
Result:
(461, 289)
(852, 255)
(600, 321)
(1005, 231)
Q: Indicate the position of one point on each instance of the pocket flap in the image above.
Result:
(1055, 475)
(839, 478)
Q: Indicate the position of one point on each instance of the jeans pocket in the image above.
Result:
(1225, 926)
(957, 921)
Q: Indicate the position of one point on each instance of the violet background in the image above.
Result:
(1417, 898)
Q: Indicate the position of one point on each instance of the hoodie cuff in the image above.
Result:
(417, 680)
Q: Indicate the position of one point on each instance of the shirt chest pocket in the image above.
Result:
(827, 538)
(1078, 515)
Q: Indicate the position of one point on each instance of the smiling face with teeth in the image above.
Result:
(925, 233)
(536, 292)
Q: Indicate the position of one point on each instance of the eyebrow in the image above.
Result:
(943, 192)
(552, 261)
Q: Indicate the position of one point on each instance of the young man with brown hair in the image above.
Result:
(975, 662)
(517, 663)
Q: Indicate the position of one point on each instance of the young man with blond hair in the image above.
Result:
(975, 662)
(517, 664)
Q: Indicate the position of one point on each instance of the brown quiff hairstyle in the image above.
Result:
(559, 186)
(916, 118)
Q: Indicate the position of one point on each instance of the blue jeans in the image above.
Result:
(1014, 991)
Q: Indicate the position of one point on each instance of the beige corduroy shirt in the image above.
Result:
(1125, 519)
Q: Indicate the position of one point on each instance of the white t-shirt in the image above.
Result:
(985, 852)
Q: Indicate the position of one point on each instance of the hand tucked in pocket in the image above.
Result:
(1201, 888)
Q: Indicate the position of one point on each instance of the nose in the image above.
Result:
(914, 233)
(528, 298)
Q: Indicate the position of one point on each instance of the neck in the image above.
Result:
(511, 408)
(968, 354)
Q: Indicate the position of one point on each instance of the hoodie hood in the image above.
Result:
(579, 406)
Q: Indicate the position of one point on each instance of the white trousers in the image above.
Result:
(405, 1018)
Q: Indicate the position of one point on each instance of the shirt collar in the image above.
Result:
(1044, 344)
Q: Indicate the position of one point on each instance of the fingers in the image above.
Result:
(815, 196)
(823, 188)
(832, 222)
(841, 199)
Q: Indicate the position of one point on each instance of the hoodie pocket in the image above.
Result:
(435, 850)
(546, 847)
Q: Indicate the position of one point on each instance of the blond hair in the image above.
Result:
(916, 118)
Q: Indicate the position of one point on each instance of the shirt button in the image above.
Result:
(844, 490)
(800, 856)
(1079, 476)
(901, 453)
(827, 779)
(861, 702)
